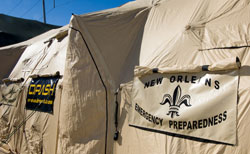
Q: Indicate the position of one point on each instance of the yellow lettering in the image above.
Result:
(32, 86)
(52, 89)
(38, 88)
(49, 102)
(42, 90)
(46, 90)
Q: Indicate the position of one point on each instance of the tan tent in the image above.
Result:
(97, 55)
(9, 55)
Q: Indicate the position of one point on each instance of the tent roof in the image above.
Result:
(9, 55)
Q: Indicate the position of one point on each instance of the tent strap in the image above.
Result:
(116, 135)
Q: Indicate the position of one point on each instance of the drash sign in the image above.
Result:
(41, 94)
(200, 105)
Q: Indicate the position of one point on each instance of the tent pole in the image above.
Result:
(44, 14)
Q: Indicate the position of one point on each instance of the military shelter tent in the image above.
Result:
(97, 55)
(9, 55)
(14, 30)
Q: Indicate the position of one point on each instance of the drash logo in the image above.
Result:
(176, 101)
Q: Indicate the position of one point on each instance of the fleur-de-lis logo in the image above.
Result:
(176, 101)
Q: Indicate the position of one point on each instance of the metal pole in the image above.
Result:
(44, 15)
(54, 3)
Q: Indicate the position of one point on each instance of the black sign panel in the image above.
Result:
(41, 94)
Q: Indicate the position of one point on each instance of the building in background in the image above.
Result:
(14, 30)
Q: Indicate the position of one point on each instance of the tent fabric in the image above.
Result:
(226, 64)
(41, 57)
(174, 35)
(191, 30)
(9, 55)
(82, 83)
(99, 55)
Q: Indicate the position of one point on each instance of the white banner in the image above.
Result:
(201, 105)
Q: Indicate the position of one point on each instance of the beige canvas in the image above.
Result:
(98, 56)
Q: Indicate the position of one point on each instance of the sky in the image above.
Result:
(61, 14)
